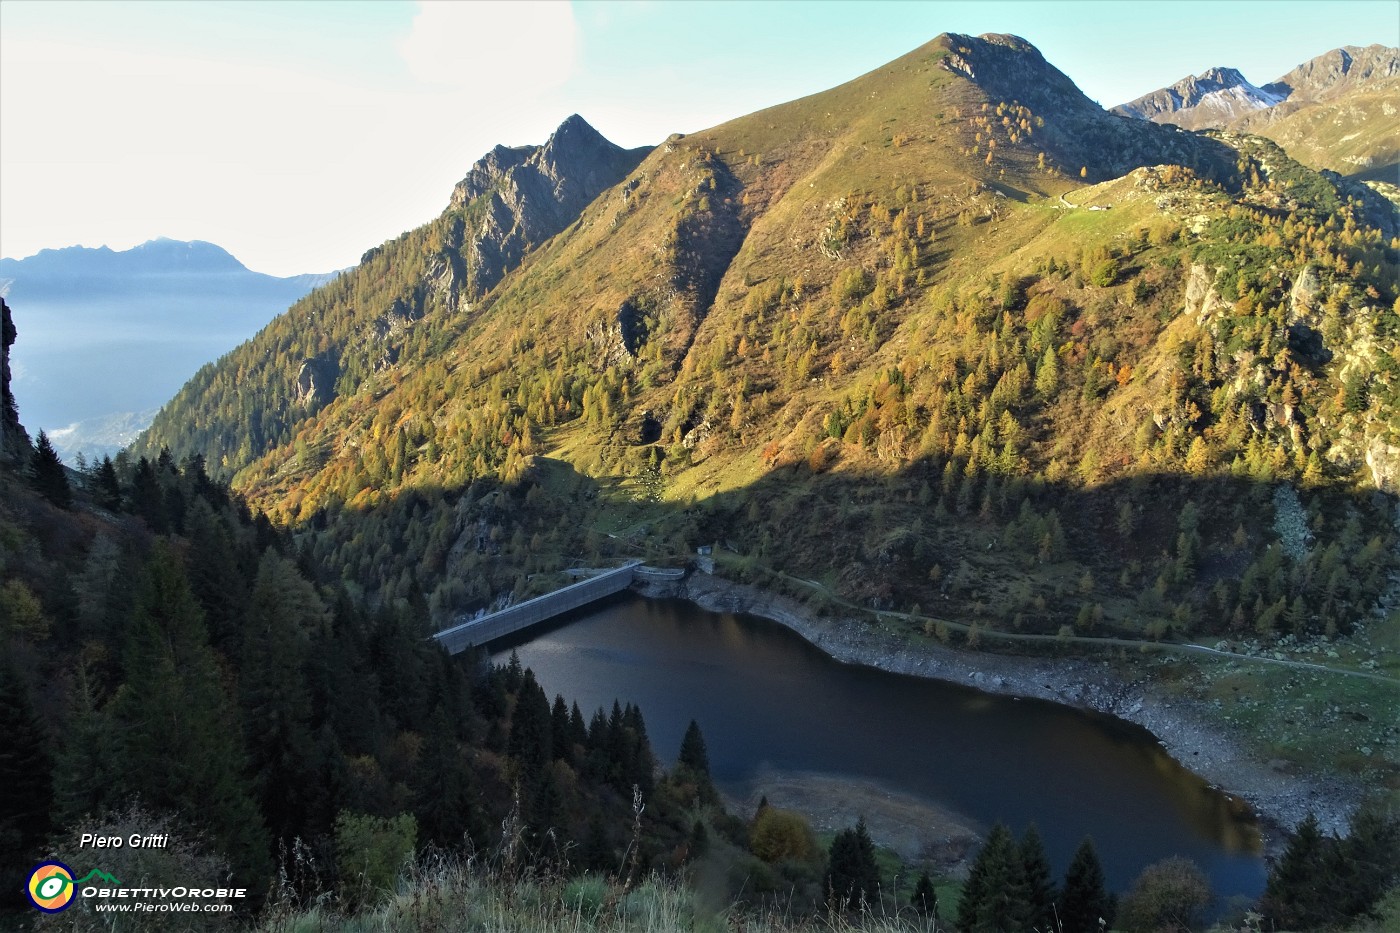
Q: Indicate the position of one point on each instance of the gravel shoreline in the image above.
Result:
(1279, 799)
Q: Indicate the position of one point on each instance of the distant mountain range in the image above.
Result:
(107, 336)
(1336, 111)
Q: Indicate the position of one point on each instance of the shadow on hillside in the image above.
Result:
(1153, 556)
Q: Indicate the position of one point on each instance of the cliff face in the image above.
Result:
(14, 440)
(530, 193)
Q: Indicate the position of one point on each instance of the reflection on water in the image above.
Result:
(766, 698)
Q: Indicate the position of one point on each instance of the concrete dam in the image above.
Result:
(513, 619)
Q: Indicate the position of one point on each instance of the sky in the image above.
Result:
(299, 134)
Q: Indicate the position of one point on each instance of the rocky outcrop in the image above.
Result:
(315, 384)
(530, 193)
(1383, 462)
(14, 440)
(1202, 300)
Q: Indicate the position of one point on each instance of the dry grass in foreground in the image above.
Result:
(451, 895)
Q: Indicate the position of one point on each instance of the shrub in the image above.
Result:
(370, 851)
(1105, 273)
(781, 835)
(1169, 895)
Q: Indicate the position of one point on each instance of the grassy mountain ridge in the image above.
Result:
(945, 336)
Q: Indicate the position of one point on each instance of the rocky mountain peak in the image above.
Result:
(1009, 68)
(1077, 131)
(1013, 42)
(1212, 98)
(1221, 77)
(533, 192)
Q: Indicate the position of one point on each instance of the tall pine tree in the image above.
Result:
(1298, 895)
(694, 763)
(994, 897)
(852, 877)
(1085, 902)
(285, 610)
(47, 475)
(1040, 886)
(925, 897)
(180, 746)
(26, 776)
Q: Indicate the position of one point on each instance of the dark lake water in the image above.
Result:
(765, 699)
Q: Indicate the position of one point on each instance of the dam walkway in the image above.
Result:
(512, 619)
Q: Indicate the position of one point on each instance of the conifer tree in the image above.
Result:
(284, 610)
(694, 756)
(1297, 895)
(925, 897)
(84, 774)
(1084, 901)
(180, 746)
(596, 853)
(852, 877)
(545, 806)
(1040, 887)
(147, 500)
(47, 475)
(995, 896)
(105, 486)
(26, 771)
(1370, 856)
(513, 673)
(529, 740)
(561, 729)
(693, 763)
(578, 729)
(639, 765)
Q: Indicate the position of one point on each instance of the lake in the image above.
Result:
(767, 701)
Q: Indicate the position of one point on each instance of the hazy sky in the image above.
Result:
(297, 135)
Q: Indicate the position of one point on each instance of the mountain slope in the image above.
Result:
(884, 337)
(91, 317)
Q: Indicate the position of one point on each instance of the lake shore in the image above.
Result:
(1279, 798)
